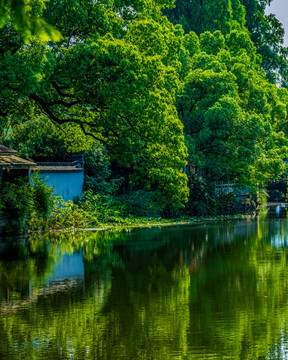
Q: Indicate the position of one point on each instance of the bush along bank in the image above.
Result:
(97, 211)
(33, 207)
(20, 200)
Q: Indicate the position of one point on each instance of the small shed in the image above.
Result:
(66, 178)
(12, 166)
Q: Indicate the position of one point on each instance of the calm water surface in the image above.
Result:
(213, 291)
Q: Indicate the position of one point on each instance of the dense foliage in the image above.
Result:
(233, 117)
(115, 77)
(21, 200)
(135, 92)
(208, 15)
(267, 33)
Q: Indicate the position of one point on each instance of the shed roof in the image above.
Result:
(59, 169)
(9, 160)
(15, 162)
(64, 166)
(5, 150)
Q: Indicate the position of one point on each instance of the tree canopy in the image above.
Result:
(114, 75)
(207, 15)
(233, 117)
(267, 32)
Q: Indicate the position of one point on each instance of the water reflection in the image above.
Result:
(279, 210)
(212, 291)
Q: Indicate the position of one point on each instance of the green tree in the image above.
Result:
(207, 15)
(234, 119)
(41, 138)
(113, 76)
(267, 33)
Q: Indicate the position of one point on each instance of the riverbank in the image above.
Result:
(133, 223)
(100, 212)
(75, 221)
(128, 223)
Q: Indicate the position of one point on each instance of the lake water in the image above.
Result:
(212, 291)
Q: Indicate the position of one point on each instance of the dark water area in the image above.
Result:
(211, 291)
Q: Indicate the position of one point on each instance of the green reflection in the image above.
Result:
(214, 291)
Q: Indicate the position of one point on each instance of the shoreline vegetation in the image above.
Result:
(136, 223)
(33, 208)
(127, 225)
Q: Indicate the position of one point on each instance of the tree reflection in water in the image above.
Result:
(211, 291)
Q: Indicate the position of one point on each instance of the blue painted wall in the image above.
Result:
(66, 184)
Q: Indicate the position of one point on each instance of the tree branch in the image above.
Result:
(59, 90)
(92, 135)
(193, 104)
(50, 114)
(63, 103)
(132, 126)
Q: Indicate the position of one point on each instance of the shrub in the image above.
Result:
(202, 200)
(101, 207)
(139, 203)
(20, 201)
(43, 197)
(97, 170)
(16, 204)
